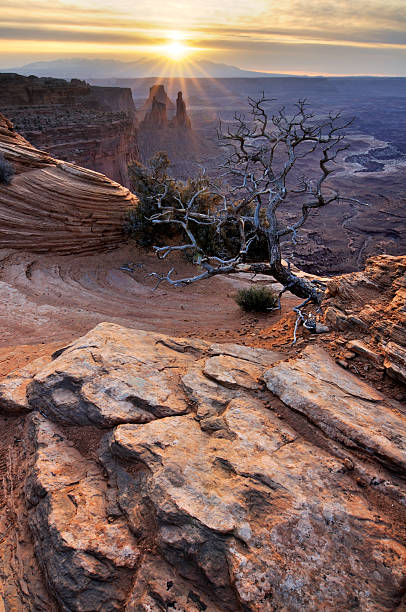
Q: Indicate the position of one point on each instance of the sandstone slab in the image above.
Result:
(258, 520)
(233, 373)
(255, 355)
(112, 375)
(344, 407)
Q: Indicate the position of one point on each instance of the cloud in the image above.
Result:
(253, 30)
(80, 36)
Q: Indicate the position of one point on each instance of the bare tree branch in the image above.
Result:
(260, 175)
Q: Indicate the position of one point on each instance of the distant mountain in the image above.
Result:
(82, 68)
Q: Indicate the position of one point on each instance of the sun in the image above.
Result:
(175, 49)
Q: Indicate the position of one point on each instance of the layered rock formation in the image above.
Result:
(94, 127)
(164, 473)
(55, 206)
(368, 309)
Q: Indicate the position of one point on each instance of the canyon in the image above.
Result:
(94, 127)
(162, 450)
(340, 238)
(110, 123)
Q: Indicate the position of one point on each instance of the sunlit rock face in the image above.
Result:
(55, 206)
(161, 473)
(94, 127)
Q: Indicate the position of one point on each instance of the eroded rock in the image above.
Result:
(344, 407)
(197, 496)
(233, 373)
(112, 375)
(86, 559)
(257, 520)
(395, 361)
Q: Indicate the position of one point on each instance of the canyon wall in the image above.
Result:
(94, 127)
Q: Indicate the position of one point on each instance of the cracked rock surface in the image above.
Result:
(166, 474)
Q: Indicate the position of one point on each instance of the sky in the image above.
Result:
(293, 36)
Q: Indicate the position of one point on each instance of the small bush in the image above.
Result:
(257, 299)
(6, 171)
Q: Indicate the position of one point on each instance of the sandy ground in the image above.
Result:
(46, 301)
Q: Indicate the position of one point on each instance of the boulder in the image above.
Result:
(112, 375)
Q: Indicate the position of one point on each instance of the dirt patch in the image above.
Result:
(15, 357)
(86, 439)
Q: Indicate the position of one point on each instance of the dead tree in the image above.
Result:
(262, 175)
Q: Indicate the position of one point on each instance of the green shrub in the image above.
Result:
(257, 299)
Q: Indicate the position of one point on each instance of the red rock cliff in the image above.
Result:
(94, 127)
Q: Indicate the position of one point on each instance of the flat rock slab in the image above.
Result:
(264, 519)
(248, 353)
(233, 373)
(344, 407)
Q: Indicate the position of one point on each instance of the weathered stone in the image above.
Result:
(242, 517)
(207, 396)
(112, 375)
(158, 587)
(233, 373)
(336, 318)
(221, 506)
(359, 347)
(87, 560)
(344, 407)
(321, 329)
(255, 355)
(13, 399)
(373, 304)
(395, 361)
